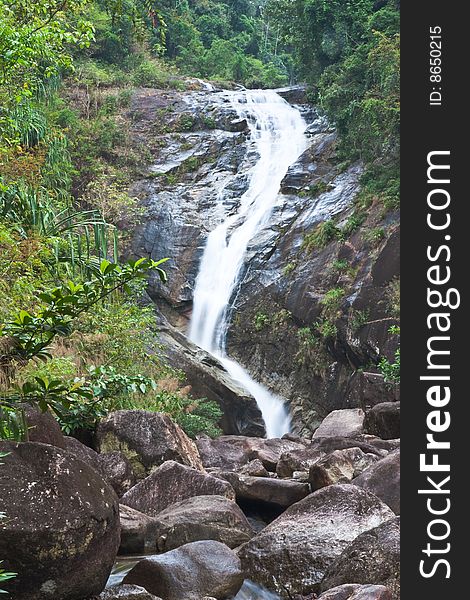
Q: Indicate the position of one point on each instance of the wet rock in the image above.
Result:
(42, 427)
(383, 420)
(126, 592)
(341, 423)
(62, 521)
(341, 466)
(209, 379)
(352, 591)
(231, 453)
(147, 439)
(238, 125)
(195, 570)
(373, 557)
(296, 94)
(383, 480)
(138, 531)
(202, 518)
(266, 489)
(292, 554)
(171, 483)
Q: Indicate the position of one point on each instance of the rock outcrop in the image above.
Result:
(209, 379)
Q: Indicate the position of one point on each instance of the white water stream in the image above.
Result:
(277, 130)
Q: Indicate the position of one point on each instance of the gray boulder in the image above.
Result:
(383, 480)
(171, 483)
(147, 439)
(138, 531)
(114, 467)
(232, 452)
(341, 466)
(126, 592)
(302, 459)
(202, 518)
(354, 591)
(383, 420)
(62, 522)
(292, 554)
(341, 423)
(373, 557)
(42, 427)
(266, 489)
(195, 570)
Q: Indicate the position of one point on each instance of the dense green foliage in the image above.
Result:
(68, 69)
(349, 52)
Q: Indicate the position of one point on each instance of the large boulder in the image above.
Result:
(266, 489)
(292, 554)
(114, 467)
(126, 592)
(341, 466)
(147, 439)
(62, 522)
(383, 420)
(195, 570)
(173, 482)
(202, 518)
(232, 452)
(383, 480)
(341, 423)
(42, 427)
(373, 557)
(138, 531)
(354, 591)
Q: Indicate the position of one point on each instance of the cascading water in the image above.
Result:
(277, 130)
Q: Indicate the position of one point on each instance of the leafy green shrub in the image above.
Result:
(353, 223)
(391, 371)
(311, 351)
(331, 303)
(359, 318)
(261, 321)
(374, 236)
(392, 295)
(322, 235)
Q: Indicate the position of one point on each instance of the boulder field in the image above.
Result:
(295, 516)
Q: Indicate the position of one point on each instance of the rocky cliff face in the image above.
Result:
(318, 294)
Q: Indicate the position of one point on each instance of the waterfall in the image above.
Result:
(277, 131)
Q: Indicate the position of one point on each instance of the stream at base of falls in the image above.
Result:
(278, 134)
